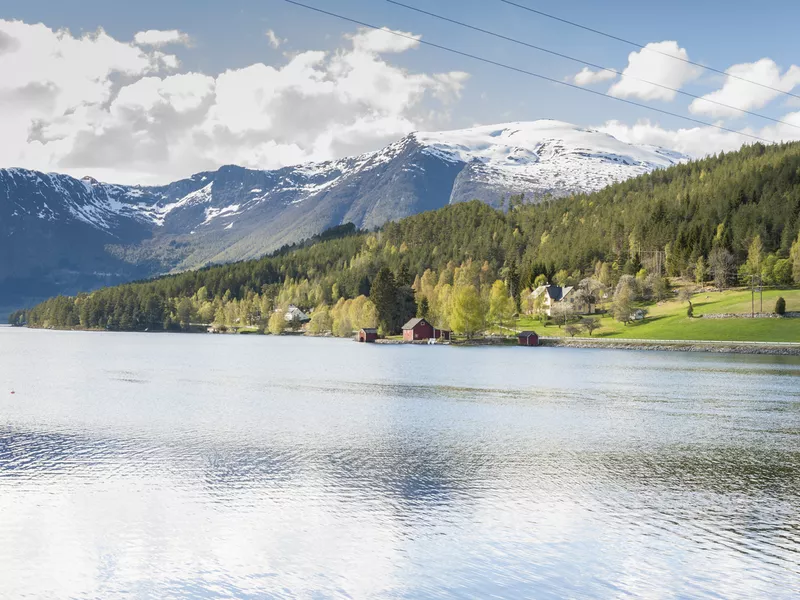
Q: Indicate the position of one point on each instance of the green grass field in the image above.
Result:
(668, 320)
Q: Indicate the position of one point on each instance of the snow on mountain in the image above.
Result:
(546, 156)
(535, 157)
(58, 227)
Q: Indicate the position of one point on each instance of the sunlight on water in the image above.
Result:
(174, 466)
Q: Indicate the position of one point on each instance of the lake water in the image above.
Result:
(175, 466)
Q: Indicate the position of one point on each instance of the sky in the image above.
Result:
(149, 92)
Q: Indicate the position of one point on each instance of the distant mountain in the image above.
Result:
(59, 234)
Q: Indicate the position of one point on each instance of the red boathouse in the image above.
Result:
(367, 334)
(419, 329)
(528, 338)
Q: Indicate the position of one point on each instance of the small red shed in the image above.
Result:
(528, 338)
(367, 334)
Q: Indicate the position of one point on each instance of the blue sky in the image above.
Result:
(231, 36)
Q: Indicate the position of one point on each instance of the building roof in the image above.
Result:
(369, 330)
(294, 313)
(554, 292)
(414, 322)
(526, 334)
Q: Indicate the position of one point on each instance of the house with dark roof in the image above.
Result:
(295, 315)
(554, 294)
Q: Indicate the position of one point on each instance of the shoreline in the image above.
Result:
(719, 347)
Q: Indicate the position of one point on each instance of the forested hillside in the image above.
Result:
(721, 218)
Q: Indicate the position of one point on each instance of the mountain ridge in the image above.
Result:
(66, 234)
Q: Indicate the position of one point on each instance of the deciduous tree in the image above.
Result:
(467, 316)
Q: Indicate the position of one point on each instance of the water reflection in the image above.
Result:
(162, 472)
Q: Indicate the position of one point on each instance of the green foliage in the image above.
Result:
(501, 305)
(700, 271)
(321, 320)
(467, 317)
(780, 306)
(277, 322)
(384, 296)
(423, 308)
(755, 254)
(782, 272)
(714, 211)
(590, 324)
(794, 256)
(623, 304)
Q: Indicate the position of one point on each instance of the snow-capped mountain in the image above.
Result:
(538, 158)
(58, 233)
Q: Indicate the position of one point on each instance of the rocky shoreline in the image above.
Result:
(678, 346)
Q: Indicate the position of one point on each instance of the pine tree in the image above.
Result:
(384, 297)
(423, 308)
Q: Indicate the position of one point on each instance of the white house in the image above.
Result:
(294, 314)
(554, 294)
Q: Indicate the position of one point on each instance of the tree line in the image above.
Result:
(728, 219)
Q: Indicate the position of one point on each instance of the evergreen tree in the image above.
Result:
(384, 297)
(423, 308)
(700, 271)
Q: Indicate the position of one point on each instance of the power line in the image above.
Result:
(643, 47)
(525, 72)
(584, 62)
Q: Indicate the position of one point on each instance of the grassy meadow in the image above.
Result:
(668, 321)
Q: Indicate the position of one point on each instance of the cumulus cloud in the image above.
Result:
(589, 77)
(380, 41)
(745, 95)
(700, 141)
(273, 39)
(156, 37)
(654, 63)
(94, 105)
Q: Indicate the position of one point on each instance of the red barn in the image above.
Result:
(528, 338)
(367, 334)
(419, 329)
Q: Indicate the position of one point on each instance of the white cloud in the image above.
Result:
(94, 105)
(377, 41)
(156, 37)
(745, 95)
(273, 39)
(589, 77)
(649, 65)
(700, 141)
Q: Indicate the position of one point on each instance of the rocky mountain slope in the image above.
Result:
(60, 234)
